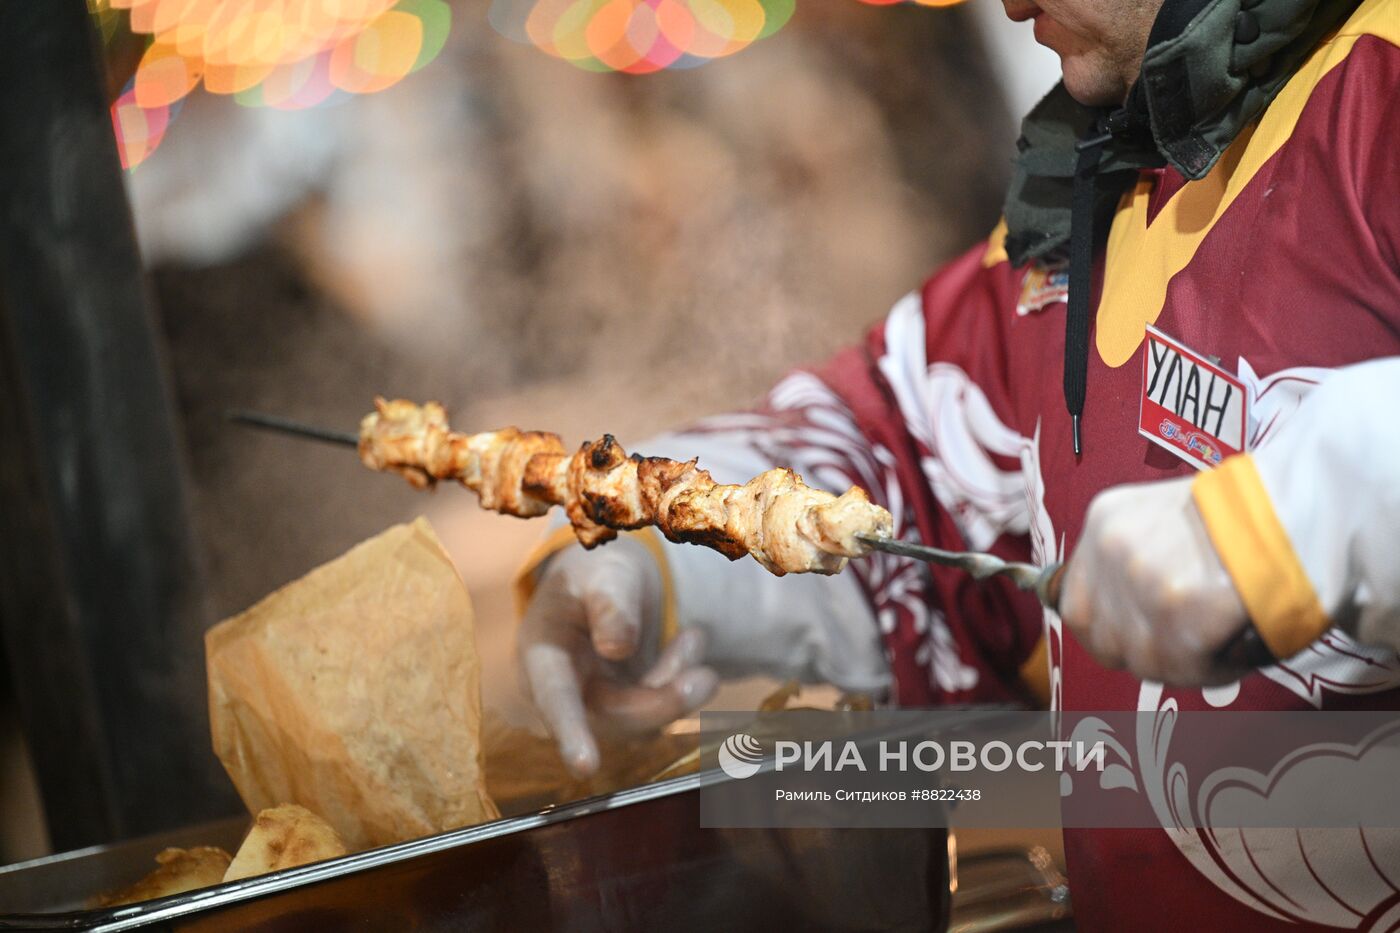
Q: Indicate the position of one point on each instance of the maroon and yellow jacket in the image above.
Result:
(1283, 262)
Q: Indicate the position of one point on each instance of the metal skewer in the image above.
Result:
(1043, 581)
(1246, 650)
(287, 426)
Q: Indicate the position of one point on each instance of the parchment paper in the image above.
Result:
(355, 692)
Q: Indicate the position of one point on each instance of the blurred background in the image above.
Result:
(560, 240)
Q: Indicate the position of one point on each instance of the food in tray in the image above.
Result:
(284, 837)
(179, 870)
(281, 837)
(346, 709)
(786, 525)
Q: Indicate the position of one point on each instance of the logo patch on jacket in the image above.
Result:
(1189, 405)
(1046, 283)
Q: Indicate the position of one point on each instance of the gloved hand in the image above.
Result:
(590, 651)
(1145, 590)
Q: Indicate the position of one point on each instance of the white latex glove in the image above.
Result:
(1145, 589)
(589, 650)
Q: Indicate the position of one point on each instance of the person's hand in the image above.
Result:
(1145, 589)
(589, 650)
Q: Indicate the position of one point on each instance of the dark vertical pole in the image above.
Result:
(100, 607)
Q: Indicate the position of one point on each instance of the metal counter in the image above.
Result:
(634, 860)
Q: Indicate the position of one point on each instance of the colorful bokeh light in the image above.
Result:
(288, 54)
(294, 54)
(139, 130)
(639, 36)
(643, 36)
(912, 2)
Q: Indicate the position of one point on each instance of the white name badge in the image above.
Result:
(1189, 405)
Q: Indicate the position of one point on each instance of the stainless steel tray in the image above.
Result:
(633, 860)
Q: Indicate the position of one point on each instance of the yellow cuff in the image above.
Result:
(1256, 552)
(525, 577)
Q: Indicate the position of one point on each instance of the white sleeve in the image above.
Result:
(1333, 476)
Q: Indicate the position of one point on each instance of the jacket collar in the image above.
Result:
(1211, 68)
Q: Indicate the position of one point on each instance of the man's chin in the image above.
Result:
(1090, 84)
